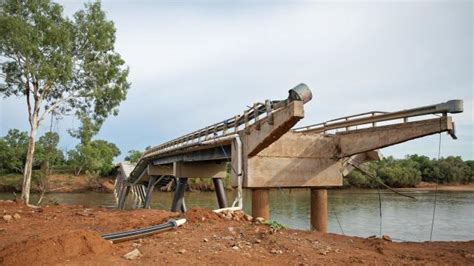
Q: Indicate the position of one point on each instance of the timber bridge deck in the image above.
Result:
(264, 152)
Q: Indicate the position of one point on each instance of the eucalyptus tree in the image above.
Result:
(60, 64)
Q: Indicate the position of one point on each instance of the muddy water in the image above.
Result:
(354, 212)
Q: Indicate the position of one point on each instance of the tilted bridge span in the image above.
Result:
(263, 152)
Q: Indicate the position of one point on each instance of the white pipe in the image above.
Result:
(180, 222)
(227, 209)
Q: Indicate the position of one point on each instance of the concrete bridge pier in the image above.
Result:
(178, 200)
(220, 192)
(319, 209)
(261, 203)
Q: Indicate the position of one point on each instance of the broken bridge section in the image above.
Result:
(260, 152)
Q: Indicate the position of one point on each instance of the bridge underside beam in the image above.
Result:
(363, 140)
(214, 154)
(317, 160)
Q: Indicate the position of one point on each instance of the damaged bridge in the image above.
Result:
(263, 152)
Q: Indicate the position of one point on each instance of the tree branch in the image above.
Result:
(56, 105)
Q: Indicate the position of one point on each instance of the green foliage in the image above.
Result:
(86, 131)
(276, 226)
(412, 170)
(13, 151)
(133, 156)
(62, 64)
(96, 158)
(59, 64)
(47, 152)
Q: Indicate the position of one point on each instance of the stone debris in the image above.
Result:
(205, 240)
(182, 251)
(248, 217)
(276, 251)
(134, 254)
(387, 238)
(259, 220)
(7, 218)
(16, 216)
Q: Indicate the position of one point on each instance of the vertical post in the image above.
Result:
(179, 194)
(260, 203)
(319, 209)
(123, 197)
(220, 192)
(149, 191)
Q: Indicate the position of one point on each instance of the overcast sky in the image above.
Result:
(195, 64)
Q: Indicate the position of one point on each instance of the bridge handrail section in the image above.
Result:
(372, 118)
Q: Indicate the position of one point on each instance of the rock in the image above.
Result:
(16, 216)
(258, 241)
(248, 218)
(235, 248)
(323, 252)
(182, 251)
(372, 237)
(231, 230)
(7, 218)
(134, 254)
(136, 245)
(260, 220)
(276, 251)
(387, 238)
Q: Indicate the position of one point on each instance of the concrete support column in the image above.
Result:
(319, 209)
(178, 199)
(220, 192)
(261, 203)
(149, 191)
(123, 197)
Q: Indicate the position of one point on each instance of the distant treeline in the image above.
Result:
(91, 157)
(412, 170)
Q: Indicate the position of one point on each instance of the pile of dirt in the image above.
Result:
(198, 215)
(54, 249)
(71, 235)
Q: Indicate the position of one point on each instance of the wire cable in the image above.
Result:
(436, 188)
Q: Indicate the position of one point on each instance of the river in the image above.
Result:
(352, 212)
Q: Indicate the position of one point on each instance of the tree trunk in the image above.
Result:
(25, 191)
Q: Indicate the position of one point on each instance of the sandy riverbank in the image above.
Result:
(71, 234)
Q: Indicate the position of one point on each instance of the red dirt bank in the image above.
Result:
(70, 235)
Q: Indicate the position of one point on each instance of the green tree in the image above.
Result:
(13, 150)
(96, 158)
(47, 152)
(133, 156)
(59, 64)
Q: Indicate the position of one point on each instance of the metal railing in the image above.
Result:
(234, 124)
(374, 117)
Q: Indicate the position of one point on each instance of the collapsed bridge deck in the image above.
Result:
(263, 152)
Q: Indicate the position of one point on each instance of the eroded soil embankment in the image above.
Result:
(60, 234)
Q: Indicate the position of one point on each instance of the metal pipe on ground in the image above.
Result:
(142, 232)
